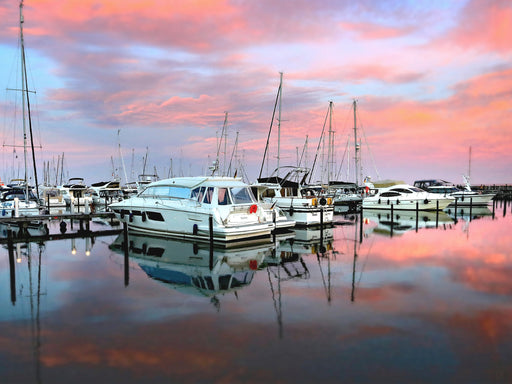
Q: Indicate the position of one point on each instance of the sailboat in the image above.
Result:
(19, 200)
(346, 194)
(300, 203)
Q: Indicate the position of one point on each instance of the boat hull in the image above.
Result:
(185, 220)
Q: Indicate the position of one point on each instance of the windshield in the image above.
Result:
(242, 195)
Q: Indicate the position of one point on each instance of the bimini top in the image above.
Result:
(192, 182)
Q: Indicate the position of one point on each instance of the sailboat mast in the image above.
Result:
(279, 121)
(330, 150)
(23, 87)
(356, 147)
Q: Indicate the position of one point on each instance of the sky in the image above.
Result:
(126, 87)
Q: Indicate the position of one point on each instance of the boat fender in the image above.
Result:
(291, 211)
(323, 201)
(194, 229)
(131, 216)
(63, 227)
(388, 201)
(195, 247)
(143, 216)
(397, 201)
(378, 201)
(122, 215)
(144, 248)
(426, 201)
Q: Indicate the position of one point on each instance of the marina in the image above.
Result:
(260, 250)
(410, 298)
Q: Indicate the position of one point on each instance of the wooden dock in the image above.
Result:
(18, 229)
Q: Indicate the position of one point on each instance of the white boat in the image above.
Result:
(345, 195)
(51, 197)
(405, 197)
(271, 210)
(182, 207)
(76, 192)
(299, 203)
(18, 201)
(464, 197)
(105, 192)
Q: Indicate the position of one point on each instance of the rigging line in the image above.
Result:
(342, 161)
(318, 147)
(270, 128)
(368, 146)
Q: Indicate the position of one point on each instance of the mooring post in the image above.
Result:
(210, 226)
(361, 226)
(11, 266)
(126, 248)
(493, 207)
(417, 214)
(321, 223)
(392, 220)
(275, 226)
(437, 213)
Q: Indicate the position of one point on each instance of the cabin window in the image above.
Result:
(389, 194)
(156, 216)
(198, 194)
(208, 195)
(401, 190)
(167, 191)
(242, 195)
(223, 198)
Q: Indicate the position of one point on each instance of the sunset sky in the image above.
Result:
(431, 79)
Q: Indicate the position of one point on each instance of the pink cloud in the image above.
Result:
(486, 25)
(372, 31)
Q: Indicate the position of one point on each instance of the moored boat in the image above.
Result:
(462, 197)
(405, 197)
(182, 207)
(300, 203)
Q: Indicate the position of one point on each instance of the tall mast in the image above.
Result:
(279, 121)
(23, 88)
(356, 146)
(25, 93)
(330, 150)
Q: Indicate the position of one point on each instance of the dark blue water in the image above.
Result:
(426, 302)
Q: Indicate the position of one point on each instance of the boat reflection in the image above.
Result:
(469, 213)
(193, 268)
(404, 221)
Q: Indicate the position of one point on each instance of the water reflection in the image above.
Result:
(422, 307)
(195, 268)
(400, 222)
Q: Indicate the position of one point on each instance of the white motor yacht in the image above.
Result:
(464, 197)
(405, 197)
(182, 207)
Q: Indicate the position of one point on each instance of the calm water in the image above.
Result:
(415, 305)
